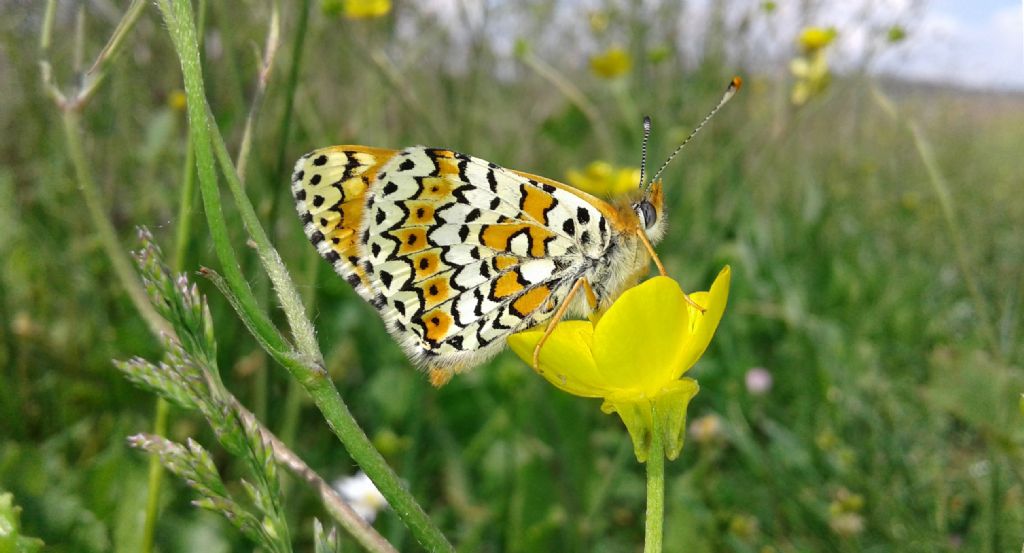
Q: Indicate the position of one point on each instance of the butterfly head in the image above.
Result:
(650, 212)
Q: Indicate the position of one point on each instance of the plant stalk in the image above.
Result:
(653, 526)
(306, 364)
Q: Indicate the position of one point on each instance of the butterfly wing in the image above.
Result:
(456, 253)
(330, 186)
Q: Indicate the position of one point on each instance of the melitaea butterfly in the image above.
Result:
(457, 253)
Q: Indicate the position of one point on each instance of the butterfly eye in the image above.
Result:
(645, 210)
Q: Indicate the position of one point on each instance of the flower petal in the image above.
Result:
(566, 360)
(703, 325)
(637, 340)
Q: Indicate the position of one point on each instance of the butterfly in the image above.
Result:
(457, 253)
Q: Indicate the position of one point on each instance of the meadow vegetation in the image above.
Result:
(873, 232)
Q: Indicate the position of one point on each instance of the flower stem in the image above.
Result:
(655, 489)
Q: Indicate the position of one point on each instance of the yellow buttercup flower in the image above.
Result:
(612, 63)
(634, 356)
(811, 69)
(603, 179)
(176, 100)
(357, 9)
(815, 38)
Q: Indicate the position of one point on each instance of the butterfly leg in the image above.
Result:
(661, 268)
(591, 298)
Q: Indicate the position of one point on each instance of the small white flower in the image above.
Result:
(360, 493)
(759, 381)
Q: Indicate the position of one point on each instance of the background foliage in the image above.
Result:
(892, 423)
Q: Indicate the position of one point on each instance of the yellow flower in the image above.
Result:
(634, 356)
(598, 21)
(811, 69)
(357, 9)
(612, 63)
(812, 77)
(815, 38)
(603, 179)
(176, 100)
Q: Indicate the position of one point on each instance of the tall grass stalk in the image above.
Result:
(306, 362)
(70, 106)
(574, 95)
(183, 236)
(941, 189)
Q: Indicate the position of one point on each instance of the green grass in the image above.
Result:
(892, 380)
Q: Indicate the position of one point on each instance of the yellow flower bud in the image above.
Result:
(612, 63)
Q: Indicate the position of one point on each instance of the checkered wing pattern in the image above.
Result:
(456, 253)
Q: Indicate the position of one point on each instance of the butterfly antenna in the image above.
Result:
(643, 149)
(734, 85)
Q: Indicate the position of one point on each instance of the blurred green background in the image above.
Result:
(873, 226)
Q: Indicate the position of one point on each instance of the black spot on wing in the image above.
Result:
(492, 182)
(569, 227)
(582, 215)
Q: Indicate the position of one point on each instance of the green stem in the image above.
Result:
(155, 479)
(91, 82)
(182, 238)
(104, 228)
(266, 65)
(306, 365)
(183, 34)
(293, 398)
(289, 100)
(574, 95)
(655, 488)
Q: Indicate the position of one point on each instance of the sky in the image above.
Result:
(972, 43)
(977, 43)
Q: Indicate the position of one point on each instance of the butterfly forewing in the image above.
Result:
(456, 253)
